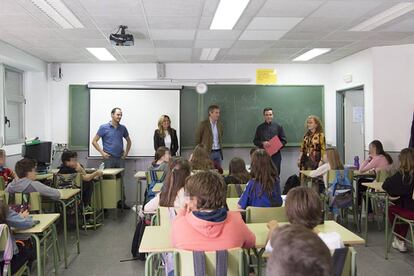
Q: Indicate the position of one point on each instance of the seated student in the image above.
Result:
(172, 193)
(237, 172)
(17, 221)
(206, 225)
(200, 160)
(299, 253)
(401, 185)
(71, 165)
(377, 160)
(303, 206)
(6, 173)
(263, 190)
(161, 159)
(331, 161)
(26, 181)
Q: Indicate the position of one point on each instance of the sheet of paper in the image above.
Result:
(275, 145)
(266, 76)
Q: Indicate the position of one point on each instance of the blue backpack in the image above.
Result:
(340, 192)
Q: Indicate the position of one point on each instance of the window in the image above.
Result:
(13, 106)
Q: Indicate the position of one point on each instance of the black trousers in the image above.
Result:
(25, 254)
(277, 160)
(87, 190)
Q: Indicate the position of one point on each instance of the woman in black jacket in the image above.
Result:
(165, 136)
(401, 185)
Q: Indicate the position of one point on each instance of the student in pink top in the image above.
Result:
(377, 160)
(205, 224)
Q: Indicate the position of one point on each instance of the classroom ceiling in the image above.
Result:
(269, 31)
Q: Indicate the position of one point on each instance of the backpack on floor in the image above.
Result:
(340, 192)
(292, 182)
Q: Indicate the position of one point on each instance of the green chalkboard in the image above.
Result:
(241, 109)
(78, 117)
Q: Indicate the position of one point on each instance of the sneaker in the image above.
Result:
(399, 245)
(88, 209)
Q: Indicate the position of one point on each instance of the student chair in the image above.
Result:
(353, 209)
(230, 262)
(235, 190)
(163, 216)
(35, 201)
(401, 220)
(24, 269)
(2, 184)
(265, 214)
(152, 177)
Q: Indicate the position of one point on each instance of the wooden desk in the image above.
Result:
(68, 197)
(112, 187)
(156, 239)
(140, 175)
(306, 173)
(45, 176)
(47, 228)
(362, 174)
(377, 186)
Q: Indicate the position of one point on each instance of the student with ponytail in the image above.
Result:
(378, 159)
(172, 193)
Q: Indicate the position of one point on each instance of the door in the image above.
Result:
(353, 125)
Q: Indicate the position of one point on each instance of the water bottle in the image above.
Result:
(356, 162)
(101, 167)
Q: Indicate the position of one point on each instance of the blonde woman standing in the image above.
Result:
(165, 135)
(313, 144)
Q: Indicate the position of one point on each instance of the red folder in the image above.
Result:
(275, 145)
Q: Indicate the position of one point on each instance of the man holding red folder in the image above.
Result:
(271, 137)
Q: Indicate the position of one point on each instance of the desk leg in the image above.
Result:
(55, 248)
(65, 234)
(386, 227)
(77, 201)
(259, 256)
(122, 193)
(38, 255)
(366, 217)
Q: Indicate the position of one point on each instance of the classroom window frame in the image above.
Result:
(17, 99)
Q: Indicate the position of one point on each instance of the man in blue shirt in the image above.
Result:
(112, 135)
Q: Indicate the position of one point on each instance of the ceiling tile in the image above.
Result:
(89, 43)
(390, 36)
(253, 44)
(262, 35)
(213, 43)
(320, 24)
(177, 8)
(113, 8)
(173, 22)
(173, 51)
(281, 51)
(172, 34)
(291, 44)
(81, 34)
(345, 9)
(245, 51)
(217, 35)
(173, 43)
(210, 8)
(131, 50)
(273, 23)
(140, 58)
(112, 22)
(289, 8)
(347, 36)
(330, 44)
(407, 25)
(293, 35)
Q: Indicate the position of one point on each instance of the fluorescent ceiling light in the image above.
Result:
(101, 54)
(312, 54)
(58, 11)
(227, 14)
(209, 53)
(384, 17)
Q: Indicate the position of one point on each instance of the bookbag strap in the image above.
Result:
(8, 250)
(339, 259)
(199, 261)
(221, 262)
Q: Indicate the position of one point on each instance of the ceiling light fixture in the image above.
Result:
(58, 12)
(102, 54)
(384, 17)
(209, 53)
(227, 14)
(312, 54)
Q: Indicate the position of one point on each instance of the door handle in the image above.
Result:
(6, 121)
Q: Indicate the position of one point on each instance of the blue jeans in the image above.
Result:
(215, 156)
(277, 159)
(114, 162)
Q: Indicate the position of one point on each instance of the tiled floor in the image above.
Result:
(102, 250)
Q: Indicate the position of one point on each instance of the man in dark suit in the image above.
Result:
(210, 133)
(267, 131)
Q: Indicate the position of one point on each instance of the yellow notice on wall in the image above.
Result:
(266, 76)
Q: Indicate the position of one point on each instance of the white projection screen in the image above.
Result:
(141, 110)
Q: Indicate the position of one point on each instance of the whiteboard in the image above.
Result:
(141, 110)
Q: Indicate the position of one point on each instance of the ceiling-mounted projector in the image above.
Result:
(121, 38)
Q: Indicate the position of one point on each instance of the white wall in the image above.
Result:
(393, 99)
(359, 66)
(36, 93)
